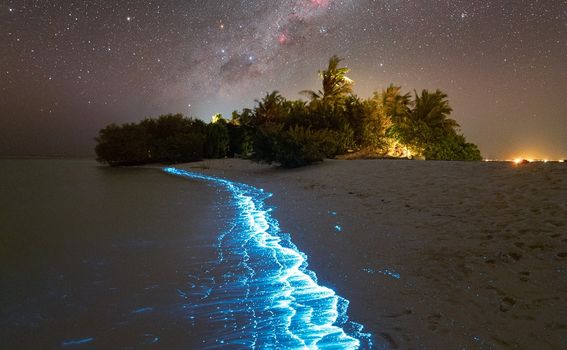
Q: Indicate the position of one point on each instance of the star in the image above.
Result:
(152, 57)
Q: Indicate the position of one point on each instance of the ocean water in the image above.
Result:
(92, 256)
(99, 258)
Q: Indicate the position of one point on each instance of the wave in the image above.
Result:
(260, 293)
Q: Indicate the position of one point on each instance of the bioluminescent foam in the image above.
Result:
(260, 294)
(76, 342)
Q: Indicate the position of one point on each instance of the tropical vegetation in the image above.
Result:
(333, 122)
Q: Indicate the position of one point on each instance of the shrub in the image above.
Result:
(180, 148)
(218, 140)
(128, 144)
(452, 147)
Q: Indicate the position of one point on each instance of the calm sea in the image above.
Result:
(92, 256)
(96, 257)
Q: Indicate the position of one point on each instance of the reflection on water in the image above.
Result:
(260, 293)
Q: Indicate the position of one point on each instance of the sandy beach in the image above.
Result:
(431, 255)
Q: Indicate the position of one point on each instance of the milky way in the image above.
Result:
(235, 54)
(68, 68)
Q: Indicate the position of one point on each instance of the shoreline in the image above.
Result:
(429, 254)
(275, 276)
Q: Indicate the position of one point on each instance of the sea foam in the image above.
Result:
(261, 294)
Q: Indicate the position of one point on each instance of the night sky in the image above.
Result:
(68, 68)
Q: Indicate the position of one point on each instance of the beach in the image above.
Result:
(433, 255)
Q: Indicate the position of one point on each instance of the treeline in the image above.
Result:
(294, 132)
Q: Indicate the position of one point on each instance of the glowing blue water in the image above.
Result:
(261, 294)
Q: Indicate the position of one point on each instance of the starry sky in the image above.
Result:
(68, 68)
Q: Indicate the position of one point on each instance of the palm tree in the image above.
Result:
(395, 106)
(417, 124)
(395, 109)
(336, 85)
(270, 108)
(433, 110)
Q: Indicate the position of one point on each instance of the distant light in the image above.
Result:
(561, 161)
(128, 18)
(518, 160)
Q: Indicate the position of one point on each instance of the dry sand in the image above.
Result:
(480, 248)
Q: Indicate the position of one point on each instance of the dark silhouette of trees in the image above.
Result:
(127, 144)
(218, 138)
(295, 133)
(270, 109)
(173, 138)
(336, 85)
(241, 130)
(167, 139)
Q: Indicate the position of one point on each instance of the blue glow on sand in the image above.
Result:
(151, 338)
(142, 310)
(384, 272)
(261, 294)
(76, 342)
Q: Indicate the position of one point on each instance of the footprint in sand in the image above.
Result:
(433, 321)
(524, 276)
(390, 340)
(511, 257)
(506, 304)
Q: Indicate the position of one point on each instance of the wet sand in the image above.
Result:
(433, 255)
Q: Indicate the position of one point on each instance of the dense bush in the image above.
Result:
(218, 139)
(452, 147)
(296, 133)
(128, 144)
(296, 146)
(167, 139)
(178, 148)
